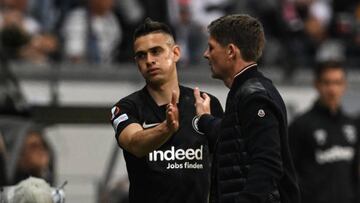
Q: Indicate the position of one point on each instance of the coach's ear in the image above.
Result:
(232, 51)
(177, 52)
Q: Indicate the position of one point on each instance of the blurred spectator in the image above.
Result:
(15, 13)
(158, 10)
(21, 34)
(315, 30)
(40, 49)
(315, 16)
(130, 13)
(92, 33)
(62, 9)
(205, 11)
(13, 34)
(321, 9)
(34, 158)
(45, 12)
(132, 10)
(190, 36)
(29, 152)
(324, 143)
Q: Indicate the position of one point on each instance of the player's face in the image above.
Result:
(217, 57)
(331, 87)
(156, 56)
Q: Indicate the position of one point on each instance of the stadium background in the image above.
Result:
(73, 98)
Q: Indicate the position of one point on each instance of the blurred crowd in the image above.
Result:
(299, 32)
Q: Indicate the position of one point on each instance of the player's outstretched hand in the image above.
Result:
(202, 102)
(172, 114)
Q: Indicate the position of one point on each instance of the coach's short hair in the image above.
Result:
(150, 26)
(246, 32)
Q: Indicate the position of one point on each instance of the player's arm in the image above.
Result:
(140, 142)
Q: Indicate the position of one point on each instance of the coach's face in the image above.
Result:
(156, 56)
(217, 57)
(331, 87)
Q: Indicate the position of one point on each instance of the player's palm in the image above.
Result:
(172, 114)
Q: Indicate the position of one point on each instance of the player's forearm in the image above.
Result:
(145, 141)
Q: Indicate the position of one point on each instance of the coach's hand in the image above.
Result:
(172, 114)
(202, 102)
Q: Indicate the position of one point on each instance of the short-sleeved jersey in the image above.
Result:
(325, 149)
(179, 170)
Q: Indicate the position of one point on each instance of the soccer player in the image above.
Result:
(324, 142)
(252, 162)
(167, 159)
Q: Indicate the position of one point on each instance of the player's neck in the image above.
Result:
(162, 93)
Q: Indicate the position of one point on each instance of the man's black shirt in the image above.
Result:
(179, 170)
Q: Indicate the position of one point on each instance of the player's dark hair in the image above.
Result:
(322, 67)
(150, 26)
(246, 32)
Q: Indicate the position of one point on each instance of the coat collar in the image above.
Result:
(246, 73)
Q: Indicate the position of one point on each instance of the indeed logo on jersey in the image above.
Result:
(191, 156)
(335, 154)
(178, 154)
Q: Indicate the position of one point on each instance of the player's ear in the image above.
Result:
(177, 53)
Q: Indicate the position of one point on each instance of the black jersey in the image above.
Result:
(325, 150)
(179, 170)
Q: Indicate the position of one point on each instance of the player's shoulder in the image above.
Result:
(188, 91)
(133, 98)
(302, 120)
